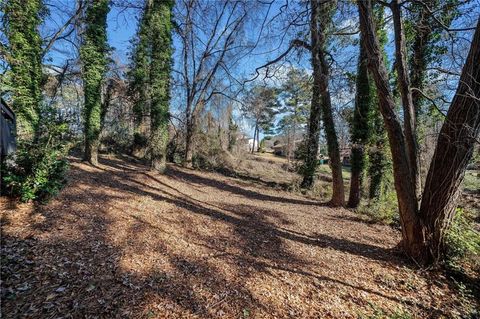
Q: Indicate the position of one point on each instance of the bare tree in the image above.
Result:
(211, 38)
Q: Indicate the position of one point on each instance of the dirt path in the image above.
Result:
(124, 242)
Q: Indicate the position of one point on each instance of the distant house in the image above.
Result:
(8, 140)
(281, 149)
(245, 142)
(279, 144)
(345, 156)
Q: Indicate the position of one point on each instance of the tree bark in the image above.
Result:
(423, 33)
(409, 114)
(93, 55)
(322, 15)
(404, 185)
(188, 162)
(424, 230)
(453, 152)
(360, 126)
(160, 70)
(311, 161)
(254, 138)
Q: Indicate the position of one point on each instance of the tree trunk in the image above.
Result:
(93, 55)
(453, 152)
(313, 137)
(360, 126)
(409, 115)
(423, 231)
(323, 15)
(423, 32)
(258, 139)
(188, 162)
(160, 69)
(294, 130)
(254, 138)
(404, 185)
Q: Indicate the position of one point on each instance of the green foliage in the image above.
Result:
(139, 75)
(380, 313)
(261, 147)
(149, 77)
(94, 57)
(160, 69)
(383, 209)
(37, 170)
(462, 241)
(24, 53)
(296, 95)
(261, 107)
(426, 45)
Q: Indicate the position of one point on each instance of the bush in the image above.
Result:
(119, 141)
(36, 171)
(462, 241)
(382, 210)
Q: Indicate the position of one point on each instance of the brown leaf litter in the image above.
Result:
(123, 242)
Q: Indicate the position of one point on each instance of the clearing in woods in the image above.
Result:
(121, 241)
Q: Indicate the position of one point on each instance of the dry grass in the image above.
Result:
(124, 242)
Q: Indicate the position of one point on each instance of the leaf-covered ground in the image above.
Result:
(120, 241)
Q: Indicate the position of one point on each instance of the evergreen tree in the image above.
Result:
(296, 93)
(94, 57)
(21, 21)
(261, 107)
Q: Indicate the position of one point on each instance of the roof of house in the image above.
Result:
(7, 110)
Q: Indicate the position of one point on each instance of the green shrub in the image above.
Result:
(382, 210)
(36, 171)
(380, 313)
(462, 241)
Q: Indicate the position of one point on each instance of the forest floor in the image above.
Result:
(121, 241)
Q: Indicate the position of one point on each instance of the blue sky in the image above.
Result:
(122, 25)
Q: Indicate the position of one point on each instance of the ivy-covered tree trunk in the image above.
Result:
(404, 185)
(378, 141)
(140, 86)
(321, 16)
(313, 135)
(161, 64)
(377, 149)
(94, 57)
(360, 127)
(22, 18)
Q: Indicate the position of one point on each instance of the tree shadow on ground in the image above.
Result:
(181, 174)
(67, 264)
